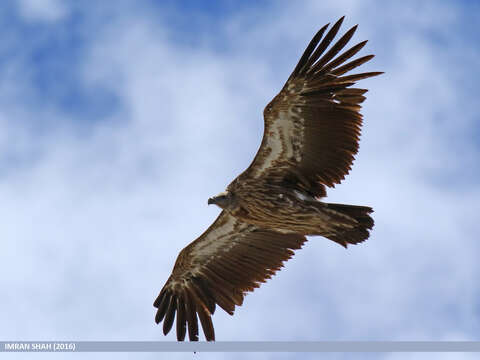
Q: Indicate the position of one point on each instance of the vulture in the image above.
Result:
(311, 134)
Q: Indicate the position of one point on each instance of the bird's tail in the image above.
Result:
(351, 223)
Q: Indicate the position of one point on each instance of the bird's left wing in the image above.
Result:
(227, 260)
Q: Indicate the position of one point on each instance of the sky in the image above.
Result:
(118, 120)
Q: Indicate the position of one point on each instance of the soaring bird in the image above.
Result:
(311, 135)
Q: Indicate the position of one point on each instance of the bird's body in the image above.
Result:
(272, 206)
(287, 208)
(312, 129)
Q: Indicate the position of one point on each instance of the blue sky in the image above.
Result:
(119, 120)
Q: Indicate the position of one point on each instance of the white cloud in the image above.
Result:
(42, 10)
(92, 224)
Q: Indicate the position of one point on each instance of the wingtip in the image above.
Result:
(324, 27)
(340, 21)
(350, 32)
(337, 25)
(165, 332)
(158, 317)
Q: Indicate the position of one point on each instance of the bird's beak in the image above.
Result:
(211, 201)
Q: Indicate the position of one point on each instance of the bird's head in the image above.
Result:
(223, 200)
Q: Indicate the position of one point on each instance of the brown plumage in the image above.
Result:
(312, 129)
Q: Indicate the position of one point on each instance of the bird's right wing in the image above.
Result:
(312, 127)
(227, 260)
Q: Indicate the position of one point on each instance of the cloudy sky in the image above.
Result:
(119, 120)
